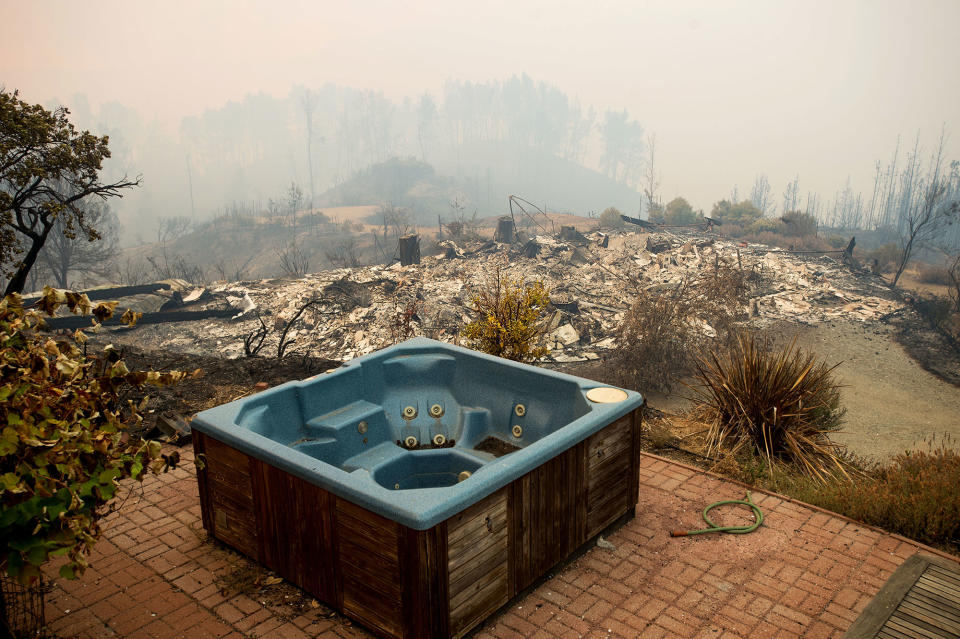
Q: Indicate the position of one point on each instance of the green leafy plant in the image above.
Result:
(779, 402)
(508, 318)
(797, 223)
(63, 445)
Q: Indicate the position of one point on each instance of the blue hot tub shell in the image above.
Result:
(343, 431)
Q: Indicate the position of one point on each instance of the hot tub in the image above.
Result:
(419, 488)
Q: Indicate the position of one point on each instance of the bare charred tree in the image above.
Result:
(133, 272)
(170, 265)
(294, 200)
(343, 253)
(308, 102)
(760, 194)
(395, 220)
(294, 262)
(954, 275)
(928, 204)
(791, 196)
(67, 252)
(651, 178)
(427, 120)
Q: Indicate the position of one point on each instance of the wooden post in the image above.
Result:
(505, 231)
(409, 248)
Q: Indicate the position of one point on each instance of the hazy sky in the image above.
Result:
(819, 88)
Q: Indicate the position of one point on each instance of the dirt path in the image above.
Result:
(892, 403)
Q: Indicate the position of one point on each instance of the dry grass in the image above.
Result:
(664, 329)
(780, 403)
(914, 495)
(933, 274)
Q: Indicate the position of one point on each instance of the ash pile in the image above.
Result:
(592, 278)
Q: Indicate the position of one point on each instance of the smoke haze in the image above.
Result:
(730, 89)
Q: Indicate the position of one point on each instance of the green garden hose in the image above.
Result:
(734, 530)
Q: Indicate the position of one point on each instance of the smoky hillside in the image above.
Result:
(472, 145)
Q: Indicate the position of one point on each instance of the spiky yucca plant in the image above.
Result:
(781, 402)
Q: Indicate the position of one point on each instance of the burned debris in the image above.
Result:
(593, 279)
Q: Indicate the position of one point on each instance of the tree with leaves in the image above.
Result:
(742, 214)
(679, 213)
(49, 171)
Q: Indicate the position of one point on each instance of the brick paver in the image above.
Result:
(804, 573)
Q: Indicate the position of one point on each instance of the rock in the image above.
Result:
(603, 543)
(566, 335)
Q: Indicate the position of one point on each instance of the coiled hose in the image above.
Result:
(733, 530)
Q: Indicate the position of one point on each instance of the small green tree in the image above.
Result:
(508, 318)
(799, 224)
(680, 213)
(610, 218)
(62, 444)
(742, 214)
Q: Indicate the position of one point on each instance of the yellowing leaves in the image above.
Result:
(62, 453)
(508, 323)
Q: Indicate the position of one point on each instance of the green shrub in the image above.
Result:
(766, 225)
(680, 213)
(741, 214)
(62, 445)
(779, 402)
(508, 318)
(799, 224)
(610, 218)
(914, 495)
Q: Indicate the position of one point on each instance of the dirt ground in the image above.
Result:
(892, 402)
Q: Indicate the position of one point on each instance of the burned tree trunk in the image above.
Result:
(408, 247)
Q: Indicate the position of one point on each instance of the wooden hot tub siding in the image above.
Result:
(401, 582)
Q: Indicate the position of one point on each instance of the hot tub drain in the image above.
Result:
(734, 530)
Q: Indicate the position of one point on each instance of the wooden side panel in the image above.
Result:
(200, 453)
(610, 460)
(295, 521)
(477, 562)
(369, 567)
(423, 564)
(636, 426)
(230, 490)
(548, 513)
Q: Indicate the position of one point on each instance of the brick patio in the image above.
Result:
(804, 573)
